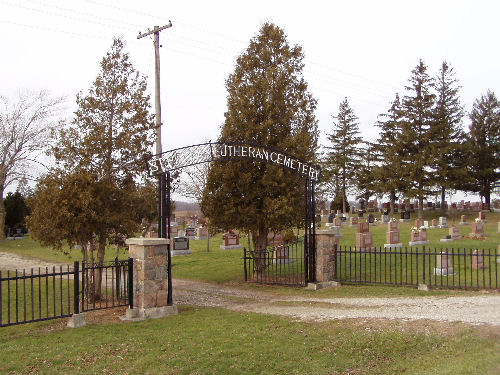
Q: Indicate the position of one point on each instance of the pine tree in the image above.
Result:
(418, 117)
(365, 174)
(267, 104)
(483, 142)
(111, 132)
(447, 134)
(388, 153)
(343, 155)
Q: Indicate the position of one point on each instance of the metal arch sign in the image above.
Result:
(172, 160)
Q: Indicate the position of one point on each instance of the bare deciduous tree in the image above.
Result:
(27, 127)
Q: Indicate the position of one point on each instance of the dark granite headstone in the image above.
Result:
(181, 243)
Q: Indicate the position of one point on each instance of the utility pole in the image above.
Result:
(156, 31)
(163, 201)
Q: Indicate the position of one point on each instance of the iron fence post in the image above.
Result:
(245, 262)
(117, 283)
(423, 264)
(76, 285)
(131, 282)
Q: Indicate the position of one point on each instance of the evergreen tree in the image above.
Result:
(388, 152)
(446, 133)
(15, 211)
(415, 140)
(365, 174)
(111, 131)
(483, 141)
(343, 155)
(267, 104)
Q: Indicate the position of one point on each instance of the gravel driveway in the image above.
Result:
(480, 309)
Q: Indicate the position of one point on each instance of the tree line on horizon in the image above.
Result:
(422, 150)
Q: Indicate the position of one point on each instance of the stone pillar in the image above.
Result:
(150, 278)
(325, 258)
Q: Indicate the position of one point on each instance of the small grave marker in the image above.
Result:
(444, 265)
(478, 229)
(477, 260)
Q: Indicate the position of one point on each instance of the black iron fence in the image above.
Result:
(284, 264)
(444, 268)
(58, 292)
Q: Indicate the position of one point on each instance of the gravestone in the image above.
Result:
(201, 233)
(337, 222)
(418, 237)
(364, 239)
(281, 255)
(498, 229)
(426, 224)
(384, 218)
(174, 229)
(443, 222)
(370, 219)
(405, 216)
(419, 223)
(231, 240)
(434, 223)
(478, 229)
(275, 239)
(444, 264)
(477, 260)
(180, 246)
(360, 214)
(463, 220)
(353, 221)
(454, 233)
(392, 235)
(331, 217)
(482, 217)
(190, 232)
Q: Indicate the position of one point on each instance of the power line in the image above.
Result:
(231, 53)
(53, 30)
(163, 18)
(65, 16)
(82, 13)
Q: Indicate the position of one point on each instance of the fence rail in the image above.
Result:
(58, 292)
(282, 265)
(445, 268)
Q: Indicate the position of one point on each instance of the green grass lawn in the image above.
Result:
(214, 341)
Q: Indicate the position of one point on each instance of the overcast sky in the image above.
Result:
(362, 50)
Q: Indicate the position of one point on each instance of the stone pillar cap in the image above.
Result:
(146, 241)
(327, 231)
